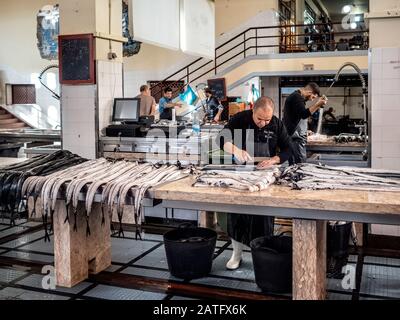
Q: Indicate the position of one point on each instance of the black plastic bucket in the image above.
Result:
(190, 251)
(338, 237)
(272, 260)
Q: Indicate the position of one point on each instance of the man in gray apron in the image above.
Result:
(249, 134)
(295, 117)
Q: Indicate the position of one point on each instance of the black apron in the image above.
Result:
(166, 114)
(243, 227)
(298, 142)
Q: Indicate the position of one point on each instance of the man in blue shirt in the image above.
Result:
(166, 105)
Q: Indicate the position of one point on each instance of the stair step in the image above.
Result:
(13, 125)
(8, 121)
(6, 116)
(2, 111)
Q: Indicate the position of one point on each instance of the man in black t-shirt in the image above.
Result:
(249, 134)
(295, 117)
(214, 107)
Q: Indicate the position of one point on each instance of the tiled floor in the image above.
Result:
(146, 258)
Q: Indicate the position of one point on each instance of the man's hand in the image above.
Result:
(242, 155)
(322, 101)
(216, 118)
(269, 163)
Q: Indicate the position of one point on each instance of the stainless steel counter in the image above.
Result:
(27, 135)
(187, 149)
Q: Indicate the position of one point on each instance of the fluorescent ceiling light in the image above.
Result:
(357, 19)
(346, 9)
(353, 25)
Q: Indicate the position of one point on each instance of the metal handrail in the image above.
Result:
(243, 43)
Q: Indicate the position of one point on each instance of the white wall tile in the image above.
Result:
(376, 149)
(390, 86)
(377, 118)
(391, 163)
(376, 133)
(390, 54)
(389, 71)
(385, 230)
(376, 55)
(391, 134)
(391, 102)
(376, 163)
(390, 149)
(376, 101)
(376, 86)
(377, 71)
(81, 91)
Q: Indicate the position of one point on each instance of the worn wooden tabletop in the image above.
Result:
(284, 197)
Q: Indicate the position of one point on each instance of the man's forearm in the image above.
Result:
(315, 108)
(230, 147)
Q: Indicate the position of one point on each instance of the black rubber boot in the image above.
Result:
(338, 237)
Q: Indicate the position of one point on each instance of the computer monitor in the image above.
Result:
(126, 109)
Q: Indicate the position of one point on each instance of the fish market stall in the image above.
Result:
(78, 199)
(78, 203)
(309, 209)
(342, 150)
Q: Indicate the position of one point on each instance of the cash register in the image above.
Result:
(127, 120)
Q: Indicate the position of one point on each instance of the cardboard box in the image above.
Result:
(235, 107)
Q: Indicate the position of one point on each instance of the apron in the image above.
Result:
(243, 227)
(298, 143)
(166, 114)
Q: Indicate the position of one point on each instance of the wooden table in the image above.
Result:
(310, 211)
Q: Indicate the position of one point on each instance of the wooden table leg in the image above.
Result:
(208, 219)
(359, 228)
(309, 259)
(76, 254)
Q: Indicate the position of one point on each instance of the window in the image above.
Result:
(53, 116)
(51, 81)
(35, 80)
(309, 15)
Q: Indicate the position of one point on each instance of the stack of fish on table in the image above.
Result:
(321, 177)
(13, 177)
(254, 180)
(115, 182)
(301, 176)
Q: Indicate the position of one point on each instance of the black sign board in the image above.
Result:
(218, 87)
(76, 59)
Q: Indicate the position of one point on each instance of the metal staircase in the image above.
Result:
(252, 42)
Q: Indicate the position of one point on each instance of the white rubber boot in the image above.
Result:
(236, 259)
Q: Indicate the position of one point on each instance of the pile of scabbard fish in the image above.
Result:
(238, 180)
(320, 177)
(301, 176)
(114, 183)
(13, 177)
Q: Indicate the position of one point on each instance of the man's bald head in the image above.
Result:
(264, 103)
(263, 111)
